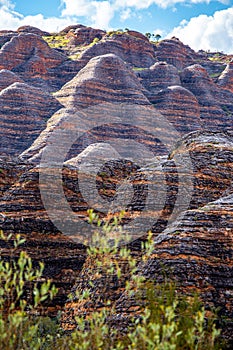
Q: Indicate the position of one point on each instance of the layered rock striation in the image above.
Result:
(174, 52)
(215, 103)
(24, 114)
(29, 56)
(84, 35)
(131, 125)
(225, 80)
(134, 50)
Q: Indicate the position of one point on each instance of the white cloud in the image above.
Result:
(12, 20)
(6, 3)
(158, 31)
(100, 13)
(77, 7)
(91, 9)
(125, 14)
(103, 14)
(143, 4)
(208, 32)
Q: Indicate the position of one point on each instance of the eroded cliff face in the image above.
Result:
(194, 249)
(120, 89)
(24, 111)
(226, 78)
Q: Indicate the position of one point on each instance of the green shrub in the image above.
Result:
(167, 319)
(19, 325)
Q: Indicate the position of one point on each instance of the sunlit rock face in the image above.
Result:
(174, 52)
(24, 111)
(225, 80)
(126, 116)
(30, 57)
(215, 104)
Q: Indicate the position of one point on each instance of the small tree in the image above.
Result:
(157, 37)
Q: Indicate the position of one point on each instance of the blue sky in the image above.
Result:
(203, 24)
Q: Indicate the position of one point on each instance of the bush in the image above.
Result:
(19, 325)
(167, 320)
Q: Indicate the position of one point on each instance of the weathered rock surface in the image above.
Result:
(104, 79)
(100, 93)
(196, 244)
(32, 30)
(197, 252)
(159, 76)
(225, 80)
(71, 27)
(108, 103)
(215, 103)
(180, 107)
(10, 171)
(31, 58)
(7, 78)
(23, 47)
(174, 52)
(137, 35)
(6, 35)
(24, 114)
(84, 35)
(62, 258)
(136, 51)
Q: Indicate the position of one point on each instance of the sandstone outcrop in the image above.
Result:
(24, 114)
(6, 36)
(62, 258)
(89, 96)
(84, 35)
(21, 48)
(225, 80)
(215, 103)
(180, 107)
(10, 171)
(7, 78)
(116, 131)
(174, 52)
(71, 27)
(136, 51)
(32, 30)
(31, 58)
(159, 76)
(137, 34)
(195, 250)
(104, 79)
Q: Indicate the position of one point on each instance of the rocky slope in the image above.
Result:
(137, 51)
(24, 114)
(31, 58)
(215, 104)
(196, 247)
(141, 125)
(226, 78)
